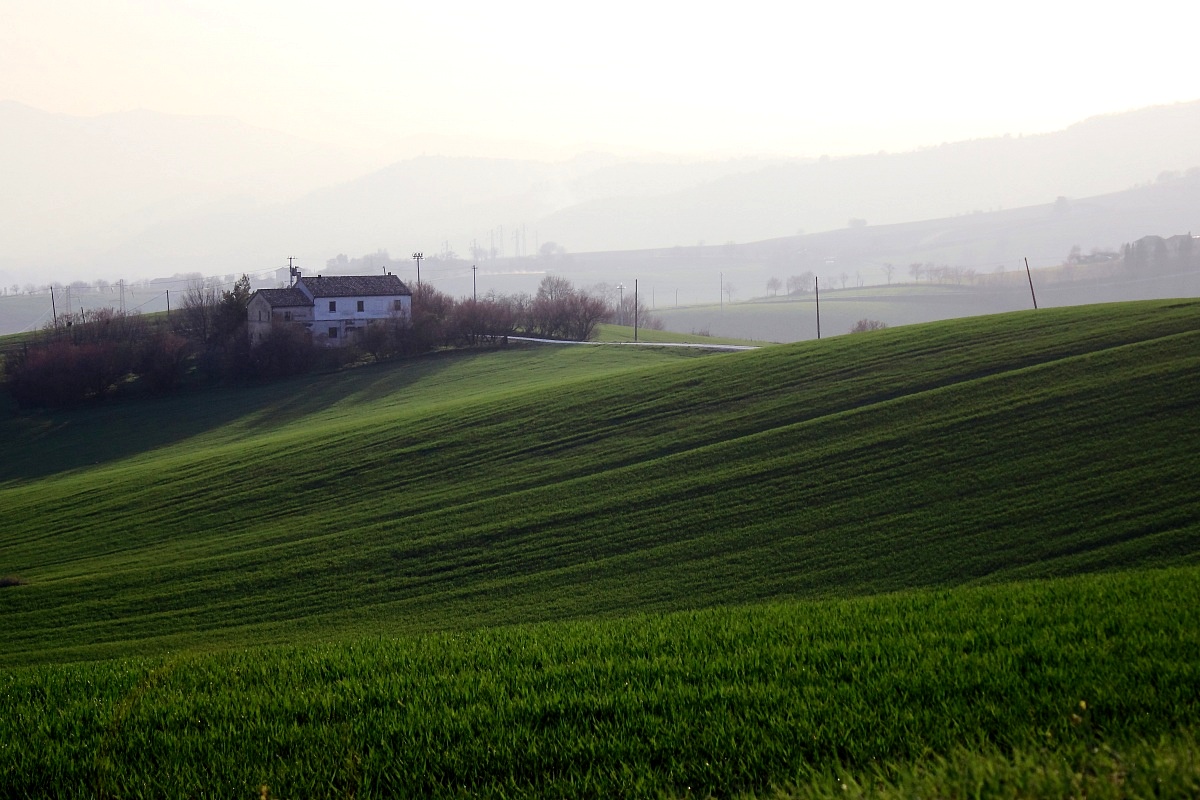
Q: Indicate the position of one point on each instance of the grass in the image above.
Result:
(624, 333)
(540, 484)
(1168, 766)
(1017, 685)
(957, 559)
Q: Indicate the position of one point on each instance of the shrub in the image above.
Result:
(62, 374)
(285, 350)
(163, 361)
(864, 325)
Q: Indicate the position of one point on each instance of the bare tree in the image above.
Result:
(774, 285)
(200, 302)
(554, 287)
(800, 284)
(584, 312)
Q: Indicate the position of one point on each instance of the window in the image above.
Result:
(398, 304)
(333, 333)
(360, 305)
(287, 316)
(333, 305)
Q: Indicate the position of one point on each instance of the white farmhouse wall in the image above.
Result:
(346, 318)
(349, 315)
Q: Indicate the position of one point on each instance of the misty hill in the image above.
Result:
(465, 202)
(978, 249)
(75, 186)
(125, 193)
(1097, 156)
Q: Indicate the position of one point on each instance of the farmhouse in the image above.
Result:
(333, 309)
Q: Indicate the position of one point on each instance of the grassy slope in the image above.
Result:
(1022, 687)
(520, 486)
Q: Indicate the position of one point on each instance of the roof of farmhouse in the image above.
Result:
(284, 297)
(355, 286)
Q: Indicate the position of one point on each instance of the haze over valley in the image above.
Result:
(216, 141)
(141, 195)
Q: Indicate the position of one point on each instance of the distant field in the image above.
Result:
(625, 333)
(793, 318)
(25, 312)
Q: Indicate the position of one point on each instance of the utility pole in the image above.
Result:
(635, 309)
(168, 306)
(474, 296)
(721, 293)
(817, 291)
(417, 258)
(1029, 275)
(621, 303)
(53, 310)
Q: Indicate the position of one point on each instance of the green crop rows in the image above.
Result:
(716, 701)
(314, 585)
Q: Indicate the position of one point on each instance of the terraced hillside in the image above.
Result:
(526, 485)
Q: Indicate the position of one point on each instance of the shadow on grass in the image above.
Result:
(47, 442)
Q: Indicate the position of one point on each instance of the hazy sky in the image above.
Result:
(689, 78)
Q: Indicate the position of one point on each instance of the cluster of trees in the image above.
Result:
(802, 283)
(88, 354)
(941, 273)
(558, 310)
(1156, 254)
(97, 353)
(94, 353)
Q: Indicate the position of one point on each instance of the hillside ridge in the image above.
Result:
(929, 456)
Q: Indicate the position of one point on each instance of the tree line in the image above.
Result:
(95, 354)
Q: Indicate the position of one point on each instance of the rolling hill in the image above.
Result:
(951, 559)
(517, 486)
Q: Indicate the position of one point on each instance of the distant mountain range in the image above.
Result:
(144, 194)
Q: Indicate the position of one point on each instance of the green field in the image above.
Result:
(792, 318)
(717, 701)
(608, 333)
(599, 571)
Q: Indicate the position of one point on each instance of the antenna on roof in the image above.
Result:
(293, 270)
